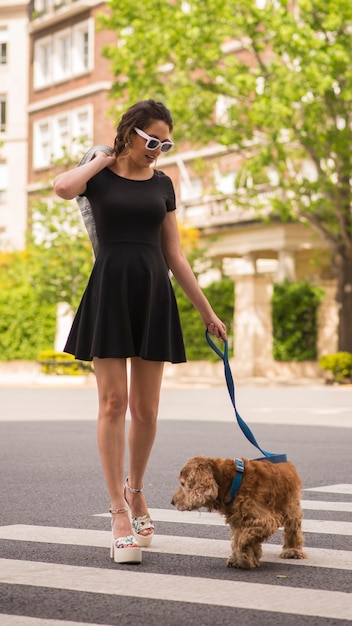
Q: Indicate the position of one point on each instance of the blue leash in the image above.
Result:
(269, 456)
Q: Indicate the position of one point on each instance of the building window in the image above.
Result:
(61, 136)
(4, 182)
(57, 136)
(3, 113)
(42, 6)
(3, 45)
(42, 62)
(41, 144)
(191, 189)
(82, 47)
(224, 182)
(65, 54)
(222, 109)
(47, 6)
(3, 53)
(82, 125)
(62, 55)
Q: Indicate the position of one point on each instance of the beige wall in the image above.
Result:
(253, 331)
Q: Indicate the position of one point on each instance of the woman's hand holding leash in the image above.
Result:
(218, 329)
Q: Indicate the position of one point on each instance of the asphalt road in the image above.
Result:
(52, 486)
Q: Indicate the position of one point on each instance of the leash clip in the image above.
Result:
(239, 465)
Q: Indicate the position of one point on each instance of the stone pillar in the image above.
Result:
(64, 317)
(253, 327)
(328, 320)
(286, 266)
(249, 263)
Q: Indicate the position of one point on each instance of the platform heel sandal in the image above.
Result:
(124, 549)
(140, 522)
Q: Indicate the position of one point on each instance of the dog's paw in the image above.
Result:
(243, 563)
(232, 561)
(293, 553)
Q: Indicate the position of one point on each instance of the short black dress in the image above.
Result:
(128, 308)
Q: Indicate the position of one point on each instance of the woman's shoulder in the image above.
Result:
(159, 174)
(167, 188)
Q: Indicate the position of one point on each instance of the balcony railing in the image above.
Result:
(51, 12)
(219, 210)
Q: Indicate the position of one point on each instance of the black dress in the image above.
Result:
(129, 307)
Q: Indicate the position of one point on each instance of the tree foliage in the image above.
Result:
(54, 267)
(59, 253)
(27, 324)
(282, 76)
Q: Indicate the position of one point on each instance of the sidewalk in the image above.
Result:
(184, 375)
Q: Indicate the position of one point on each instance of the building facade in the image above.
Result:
(13, 123)
(69, 82)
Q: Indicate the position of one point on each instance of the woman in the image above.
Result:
(128, 310)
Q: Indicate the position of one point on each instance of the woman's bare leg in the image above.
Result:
(111, 378)
(146, 377)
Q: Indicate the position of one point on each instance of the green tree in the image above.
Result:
(284, 73)
(59, 255)
(27, 323)
(54, 267)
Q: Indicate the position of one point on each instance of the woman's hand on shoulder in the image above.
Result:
(107, 159)
(69, 184)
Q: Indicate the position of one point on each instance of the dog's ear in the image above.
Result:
(204, 489)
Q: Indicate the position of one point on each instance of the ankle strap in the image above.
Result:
(131, 490)
(113, 511)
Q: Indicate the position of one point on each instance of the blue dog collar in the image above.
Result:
(236, 483)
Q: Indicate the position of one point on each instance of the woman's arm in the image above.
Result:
(70, 184)
(183, 273)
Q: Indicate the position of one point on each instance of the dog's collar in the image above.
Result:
(236, 483)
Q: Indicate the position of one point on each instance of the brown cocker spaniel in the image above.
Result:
(268, 497)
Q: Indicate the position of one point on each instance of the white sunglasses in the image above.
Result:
(153, 143)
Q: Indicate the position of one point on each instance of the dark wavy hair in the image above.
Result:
(140, 115)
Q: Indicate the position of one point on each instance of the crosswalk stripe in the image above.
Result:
(323, 505)
(168, 544)
(23, 620)
(324, 527)
(235, 594)
(341, 488)
(327, 527)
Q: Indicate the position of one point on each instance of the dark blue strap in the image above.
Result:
(236, 483)
(274, 458)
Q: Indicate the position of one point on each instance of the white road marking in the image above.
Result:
(327, 527)
(23, 620)
(235, 594)
(324, 527)
(320, 505)
(168, 544)
(334, 417)
(343, 488)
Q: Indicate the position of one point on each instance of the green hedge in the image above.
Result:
(339, 364)
(294, 318)
(221, 298)
(27, 324)
(62, 364)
